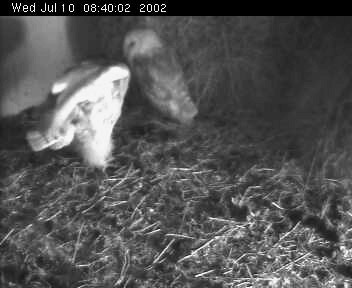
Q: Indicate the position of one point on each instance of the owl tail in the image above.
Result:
(38, 141)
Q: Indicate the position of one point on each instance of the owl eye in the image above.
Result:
(75, 121)
(131, 44)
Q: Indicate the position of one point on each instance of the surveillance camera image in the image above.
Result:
(166, 151)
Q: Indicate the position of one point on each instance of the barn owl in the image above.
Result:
(159, 75)
(82, 109)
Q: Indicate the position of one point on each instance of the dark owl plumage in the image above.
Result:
(159, 75)
(83, 107)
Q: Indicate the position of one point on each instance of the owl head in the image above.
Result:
(141, 42)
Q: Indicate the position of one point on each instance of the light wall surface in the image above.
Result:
(38, 52)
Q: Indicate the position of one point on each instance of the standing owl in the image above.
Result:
(159, 75)
(82, 109)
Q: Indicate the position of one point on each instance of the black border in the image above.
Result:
(173, 7)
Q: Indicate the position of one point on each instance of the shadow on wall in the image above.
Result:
(85, 37)
(99, 36)
(12, 35)
(13, 31)
(26, 72)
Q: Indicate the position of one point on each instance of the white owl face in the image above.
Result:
(141, 42)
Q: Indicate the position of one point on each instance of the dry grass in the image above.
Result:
(204, 207)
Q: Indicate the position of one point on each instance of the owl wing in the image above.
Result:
(72, 76)
(84, 91)
(88, 88)
(161, 79)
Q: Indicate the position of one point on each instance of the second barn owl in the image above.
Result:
(159, 74)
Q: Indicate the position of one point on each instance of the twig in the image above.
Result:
(124, 269)
(204, 273)
(179, 236)
(285, 236)
(197, 250)
(7, 236)
(293, 262)
(77, 244)
(157, 259)
(138, 205)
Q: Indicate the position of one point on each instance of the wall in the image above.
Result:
(35, 50)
